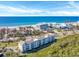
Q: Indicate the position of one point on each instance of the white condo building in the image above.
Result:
(32, 43)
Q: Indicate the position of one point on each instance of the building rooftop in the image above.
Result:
(30, 39)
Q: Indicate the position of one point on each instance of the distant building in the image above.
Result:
(43, 27)
(30, 44)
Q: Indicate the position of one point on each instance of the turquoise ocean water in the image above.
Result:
(29, 20)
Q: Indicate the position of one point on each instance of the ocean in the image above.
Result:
(30, 20)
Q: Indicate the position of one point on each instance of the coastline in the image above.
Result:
(54, 23)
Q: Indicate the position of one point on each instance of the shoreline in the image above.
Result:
(15, 26)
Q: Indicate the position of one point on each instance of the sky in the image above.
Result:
(39, 8)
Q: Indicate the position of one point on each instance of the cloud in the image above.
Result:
(73, 4)
(23, 11)
(71, 9)
(10, 9)
(65, 13)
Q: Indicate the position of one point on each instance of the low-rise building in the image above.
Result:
(43, 26)
(33, 43)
